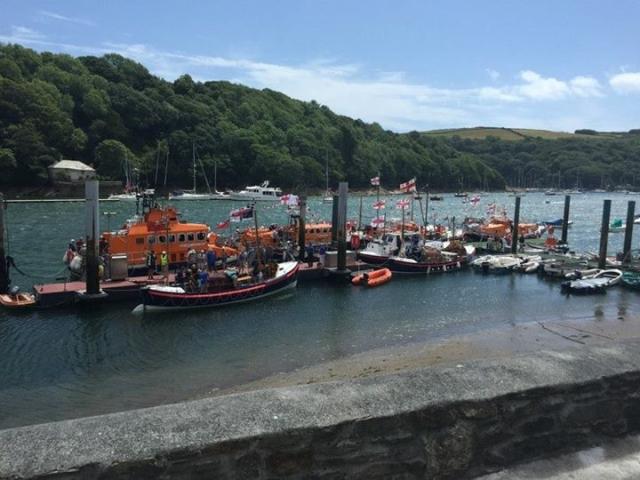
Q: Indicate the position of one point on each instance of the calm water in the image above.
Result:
(57, 364)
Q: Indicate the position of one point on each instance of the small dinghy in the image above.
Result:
(631, 280)
(598, 283)
(16, 299)
(373, 279)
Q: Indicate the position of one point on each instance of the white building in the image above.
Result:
(70, 171)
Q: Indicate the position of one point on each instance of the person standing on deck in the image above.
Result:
(211, 260)
(164, 266)
(191, 256)
(151, 264)
(322, 253)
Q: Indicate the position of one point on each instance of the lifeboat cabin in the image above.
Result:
(159, 229)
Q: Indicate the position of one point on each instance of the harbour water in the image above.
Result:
(57, 364)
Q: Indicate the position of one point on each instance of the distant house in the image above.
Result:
(70, 171)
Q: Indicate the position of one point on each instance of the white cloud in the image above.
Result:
(21, 33)
(388, 98)
(493, 74)
(586, 87)
(63, 18)
(627, 82)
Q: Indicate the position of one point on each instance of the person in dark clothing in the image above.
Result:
(211, 260)
(151, 264)
(180, 277)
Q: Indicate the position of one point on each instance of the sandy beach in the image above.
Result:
(461, 350)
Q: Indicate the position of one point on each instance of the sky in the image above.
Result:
(408, 65)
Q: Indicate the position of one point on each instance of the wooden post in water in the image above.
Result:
(92, 229)
(334, 222)
(302, 224)
(426, 207)
(4, 271)
(515, 234)
(343, 189)
(628, 232)
(565, 220)
(604, 234)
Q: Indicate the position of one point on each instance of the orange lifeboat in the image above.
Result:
(373, 279)
(158, 230)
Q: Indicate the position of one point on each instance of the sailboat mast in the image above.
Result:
(193, 154)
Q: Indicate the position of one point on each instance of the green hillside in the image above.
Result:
(110, 112)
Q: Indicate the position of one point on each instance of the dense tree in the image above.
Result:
(111, 112)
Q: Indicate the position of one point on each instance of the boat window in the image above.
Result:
(172, 238)
(201, 236)
(181, 237)
(162, 239)
(190, 237)
(151, 239)
(140, 241)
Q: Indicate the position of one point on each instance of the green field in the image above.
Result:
(479, 133)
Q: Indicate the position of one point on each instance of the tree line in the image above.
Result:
(112, 113)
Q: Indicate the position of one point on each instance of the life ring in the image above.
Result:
(355, 242)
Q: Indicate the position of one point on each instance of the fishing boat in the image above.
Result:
(380, 249)
(160, 229)
(617, 226)
(258, 193)
(410, 265)
(16, 299)
(225, 289)
(374, 278)
(597, 283)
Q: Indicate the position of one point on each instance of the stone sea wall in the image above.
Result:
(453, 422)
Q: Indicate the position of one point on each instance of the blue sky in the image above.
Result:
(408, 65)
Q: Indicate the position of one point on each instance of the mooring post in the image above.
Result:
(4, 271)
(565, 220)
(334, 222)
(628, 232)
(92, 228)
(604, 234)
(302, 222)
(515, 234)
(343, 188)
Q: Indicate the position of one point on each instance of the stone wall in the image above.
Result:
(454, 422)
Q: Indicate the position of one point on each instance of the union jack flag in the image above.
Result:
(409, 185)
(402, 204)
(379, 205)
(375, 181)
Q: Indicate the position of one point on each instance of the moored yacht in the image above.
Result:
(258, 193)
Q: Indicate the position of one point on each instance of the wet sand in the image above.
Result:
(460, 350)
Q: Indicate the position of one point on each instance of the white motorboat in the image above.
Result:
(597, 283)
(133, 195)
(257, 193)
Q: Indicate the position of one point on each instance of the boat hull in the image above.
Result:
(398, 265)
(153, 300)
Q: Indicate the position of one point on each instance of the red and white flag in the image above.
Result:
(377, 222)
(222, 225)
(402, 204)
(408, 186)
(379, 205)
(475, 200)
(290, 200)
(375, 181)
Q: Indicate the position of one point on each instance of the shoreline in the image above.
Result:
(458, 351)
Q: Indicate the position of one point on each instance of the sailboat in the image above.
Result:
(193, 194)
(328, 195)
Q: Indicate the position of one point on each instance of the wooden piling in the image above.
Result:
(515, 234)
(628, 232)
(604, 234)
(4, 271)
(565, 220)
(302, 222)
(343, 188)
(334, 221)
(92, 229)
